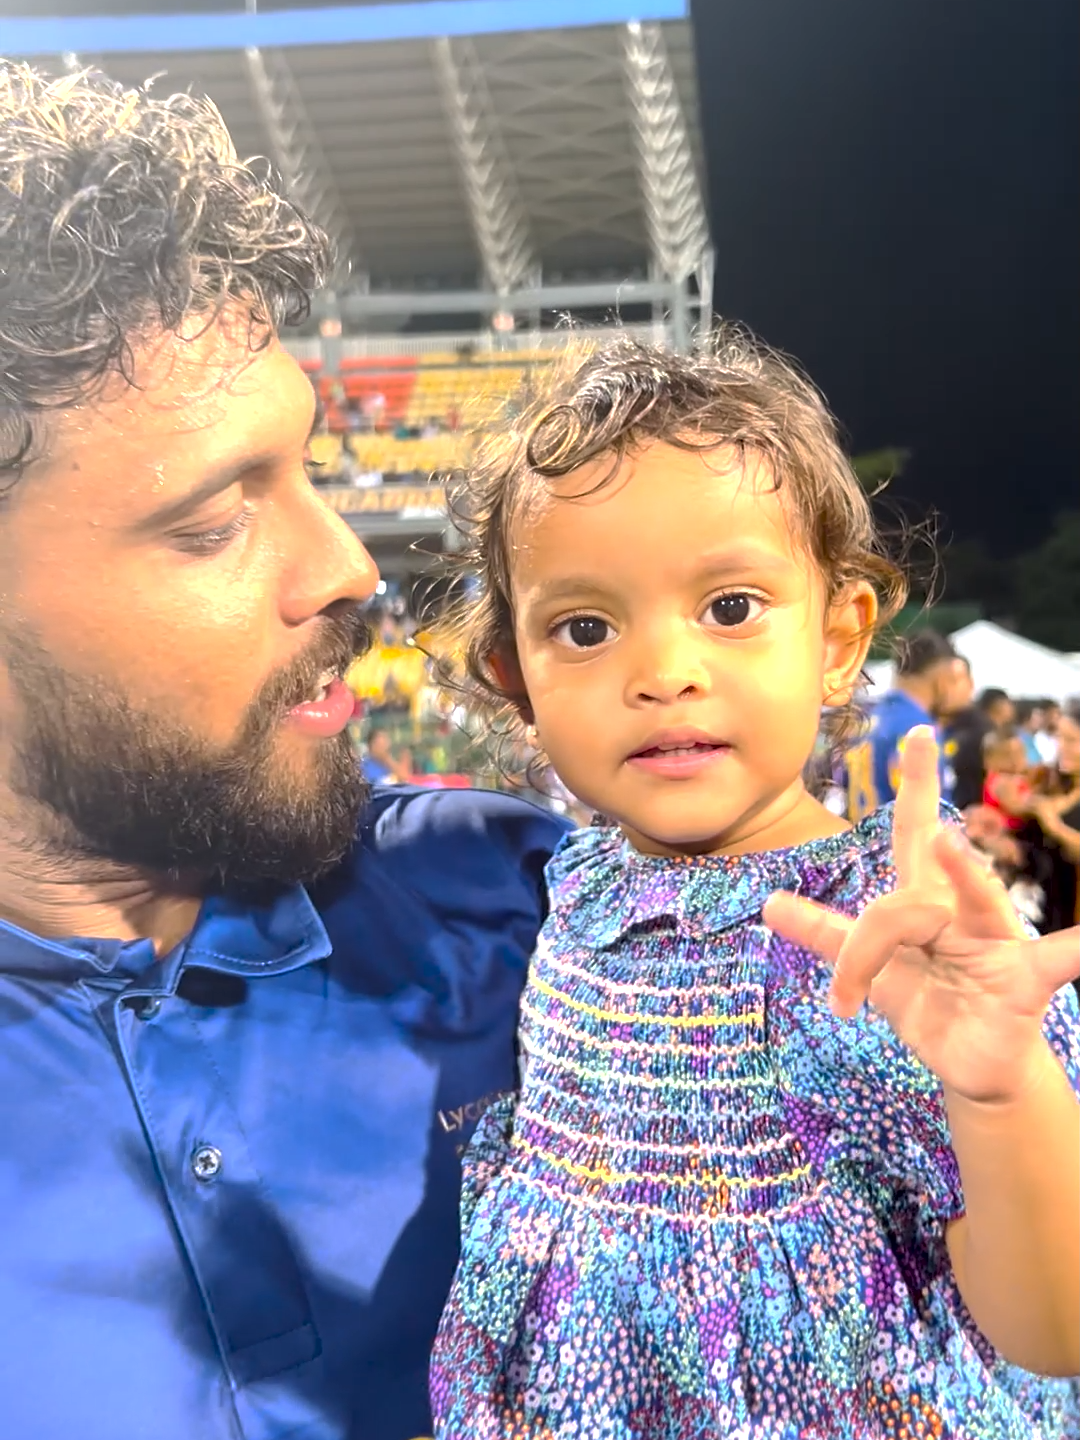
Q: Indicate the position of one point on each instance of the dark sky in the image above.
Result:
(895, 194)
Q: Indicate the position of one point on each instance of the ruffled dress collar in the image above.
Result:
(601, 887)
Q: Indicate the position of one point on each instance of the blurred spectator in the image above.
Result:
(380, 764)
(377, 763)
(1005, 854)
(1046, 737)
(1007, 788)
(932, 684)
(997, 707)
(965, 735)
(1029, 719)
(1057, 813)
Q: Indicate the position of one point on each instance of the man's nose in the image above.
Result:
(332, 564)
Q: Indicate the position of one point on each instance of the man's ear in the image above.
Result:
(505, 670)
(849, 629)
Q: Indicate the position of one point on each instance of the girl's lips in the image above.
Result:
(679, 762)
(327, 716)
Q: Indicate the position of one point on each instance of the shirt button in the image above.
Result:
(206, 1163)
(148, 1008)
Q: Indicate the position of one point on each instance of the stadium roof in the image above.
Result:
(551, 111)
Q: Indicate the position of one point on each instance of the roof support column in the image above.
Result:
(674, 208)
(299, 157)
(497, 214)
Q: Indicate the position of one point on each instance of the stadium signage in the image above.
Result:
(408, 501)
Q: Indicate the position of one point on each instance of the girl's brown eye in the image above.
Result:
(731, 609)
(583, 632)
(587, 630)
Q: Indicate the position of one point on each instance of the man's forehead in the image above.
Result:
(201, 393)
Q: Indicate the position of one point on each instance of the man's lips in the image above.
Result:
(678, 754)
(327, 712)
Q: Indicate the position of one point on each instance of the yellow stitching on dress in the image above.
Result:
(707, 1179)
(649, 1082)
(630, 1047)
(684, 1022)
(619, 1143)
(599, 1202)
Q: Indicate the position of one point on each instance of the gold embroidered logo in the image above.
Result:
(452, 1120)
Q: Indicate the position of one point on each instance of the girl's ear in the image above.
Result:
(506, 672)
(849, 629)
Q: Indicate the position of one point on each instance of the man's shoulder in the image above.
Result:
(411, 817)
(449, 850)
(442, 895)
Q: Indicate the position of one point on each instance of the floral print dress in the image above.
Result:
(715, 1211)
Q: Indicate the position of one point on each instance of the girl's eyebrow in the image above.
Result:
(742, 557)
(737, 558)
(565, 586)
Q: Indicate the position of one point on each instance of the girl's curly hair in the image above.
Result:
(123, 212)
(604, 402)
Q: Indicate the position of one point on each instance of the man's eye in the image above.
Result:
(210, 542)
(583, 632)
(734, 609)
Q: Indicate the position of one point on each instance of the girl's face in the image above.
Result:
(676, 649)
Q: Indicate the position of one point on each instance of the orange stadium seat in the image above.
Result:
(461, 396)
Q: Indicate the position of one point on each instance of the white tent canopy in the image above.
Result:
(1009, 662)
(1023, 668)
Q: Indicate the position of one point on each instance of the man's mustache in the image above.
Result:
(343, 638)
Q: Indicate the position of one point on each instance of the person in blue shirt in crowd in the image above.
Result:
(1029, 722)
(249, 1012)
(932, 683)
(378, 763)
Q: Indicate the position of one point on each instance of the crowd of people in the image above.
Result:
(1017, 765)
(1010, 765)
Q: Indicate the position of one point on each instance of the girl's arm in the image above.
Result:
(948, 963)
(1016, 1251)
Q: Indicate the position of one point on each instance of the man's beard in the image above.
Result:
(143, 791)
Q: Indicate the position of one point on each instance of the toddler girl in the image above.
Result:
(732, 1199)
(1007, 788)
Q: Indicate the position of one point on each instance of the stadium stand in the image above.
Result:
(494, 184)
(407, 415)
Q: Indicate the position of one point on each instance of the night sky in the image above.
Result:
(895, 194)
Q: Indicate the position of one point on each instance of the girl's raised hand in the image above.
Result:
(944, 958)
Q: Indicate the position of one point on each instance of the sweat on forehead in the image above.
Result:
(727, 470)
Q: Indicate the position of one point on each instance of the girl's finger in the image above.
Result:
(895, 922)
(982, 901)
(916, 810)
(1055, 958)
(806, 923)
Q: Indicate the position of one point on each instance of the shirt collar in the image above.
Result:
(262, 933)
(602, 888)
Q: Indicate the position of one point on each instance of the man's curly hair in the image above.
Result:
(124, 214)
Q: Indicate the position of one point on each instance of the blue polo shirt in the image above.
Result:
(229, 1178)
(872, 765)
